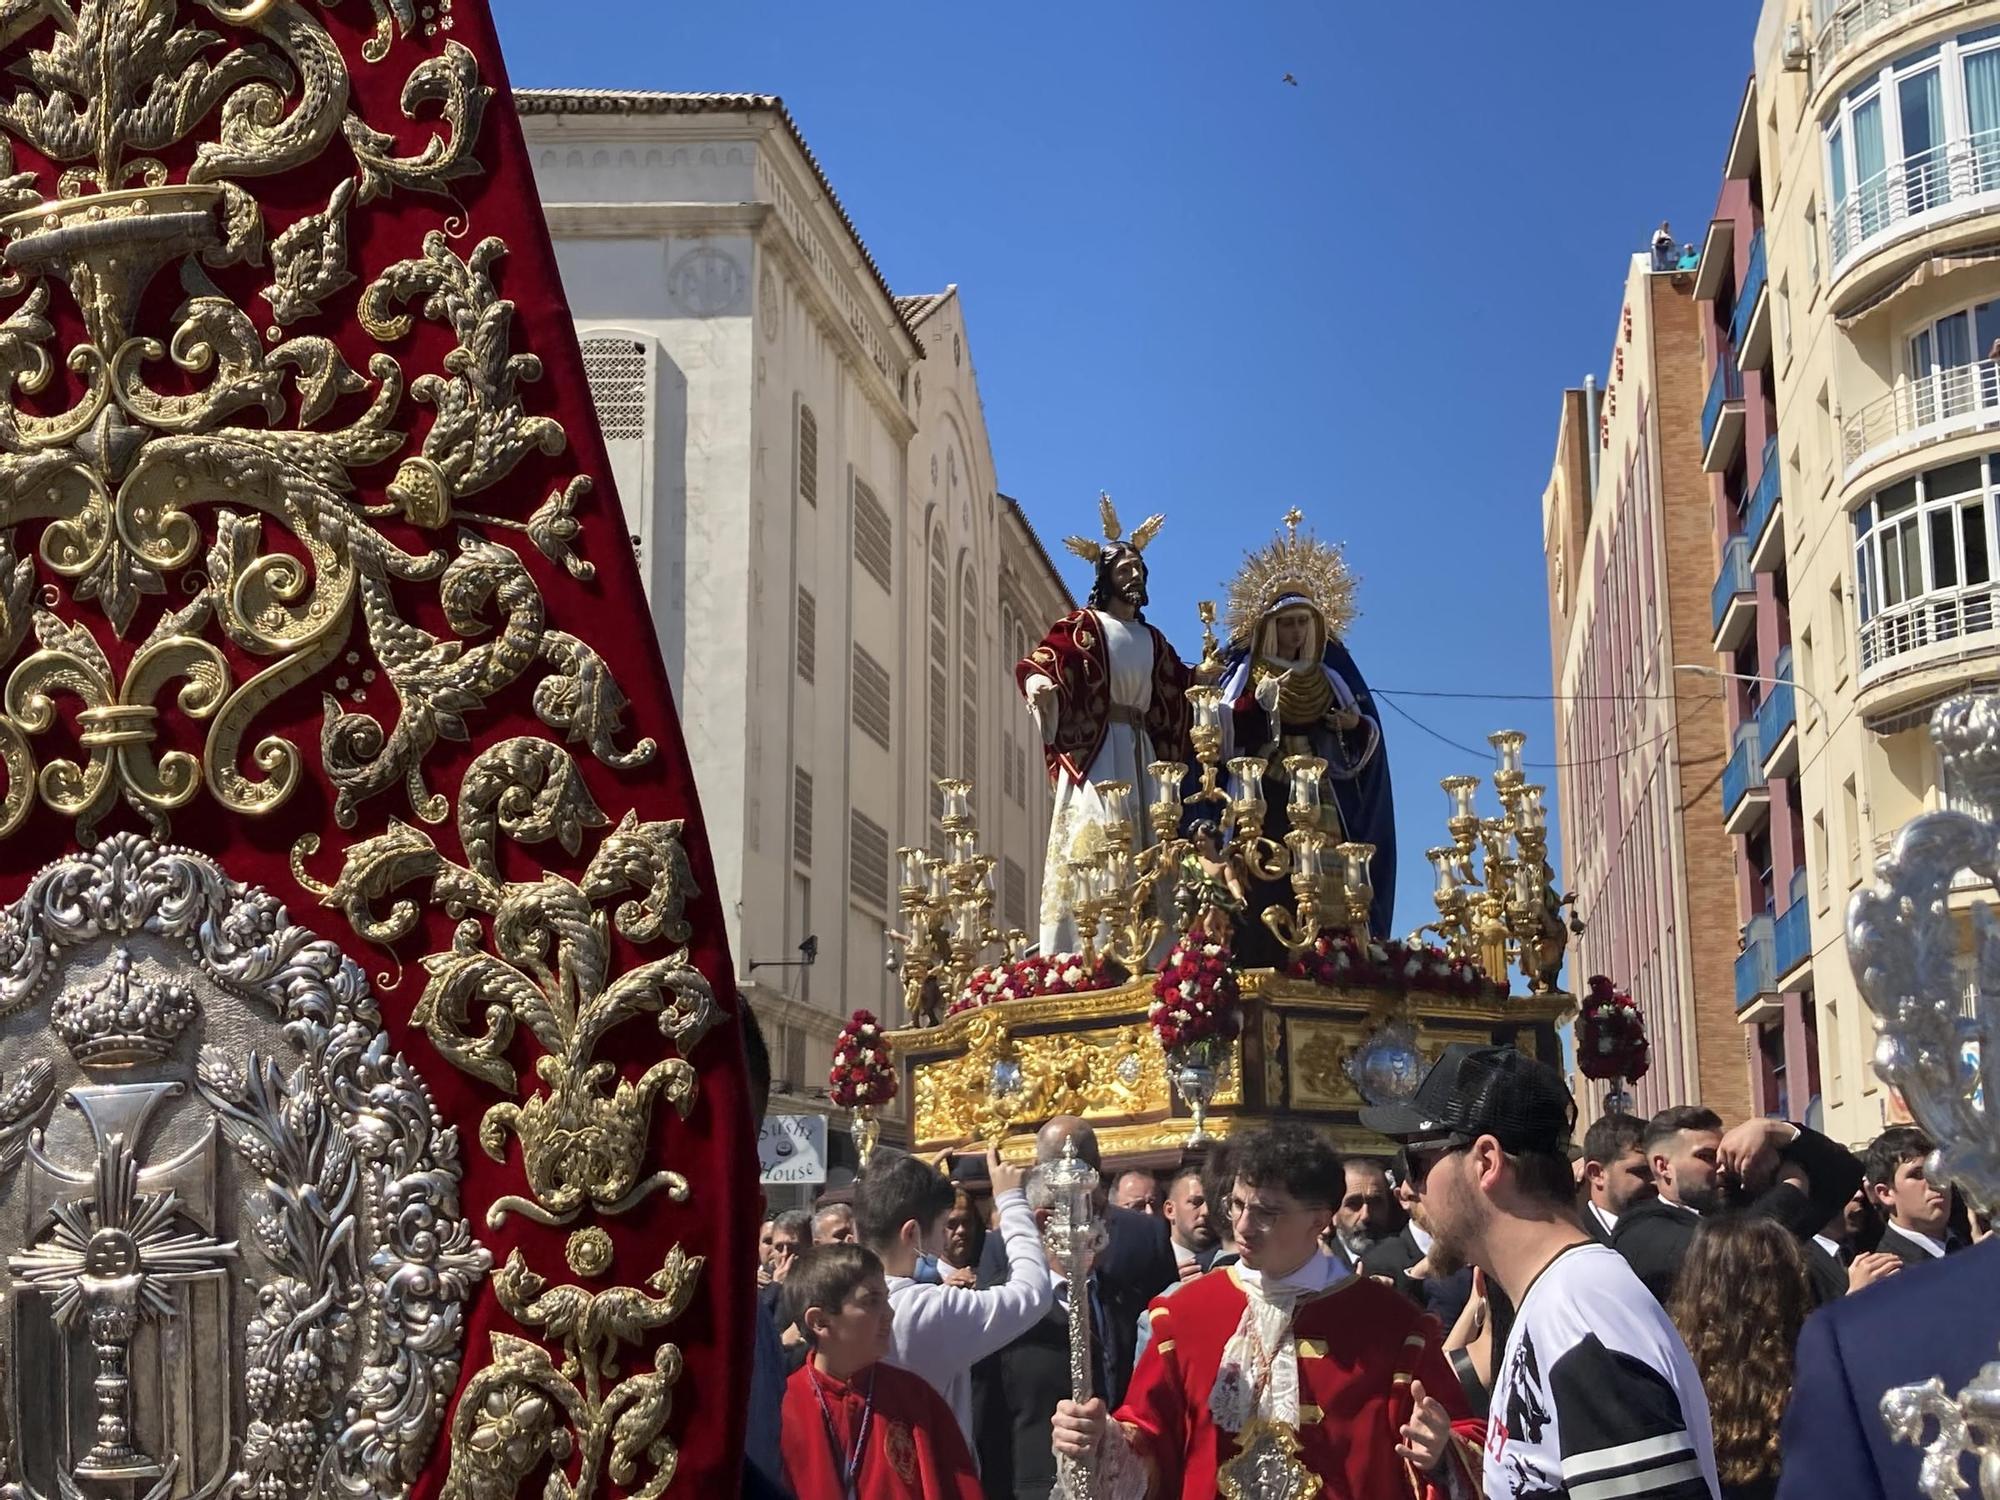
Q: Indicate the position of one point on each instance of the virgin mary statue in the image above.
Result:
(1293, 689)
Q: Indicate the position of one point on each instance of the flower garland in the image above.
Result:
(1197, 1004)
(1059, 974)
(1610, 1034)
(1336, 958)
(862, 1075)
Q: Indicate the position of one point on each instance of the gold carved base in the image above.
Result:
(996, 1073)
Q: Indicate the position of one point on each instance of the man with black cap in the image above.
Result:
(1595, 1393)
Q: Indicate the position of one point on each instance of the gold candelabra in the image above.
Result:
(947, 909)
(1507, 912)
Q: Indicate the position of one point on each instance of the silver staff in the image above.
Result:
(1067, 1187)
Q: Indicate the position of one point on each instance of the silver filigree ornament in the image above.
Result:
(1902, 941)
(237, 1260)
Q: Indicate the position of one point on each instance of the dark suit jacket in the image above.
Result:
(1654, 1238)
(1920, 1322)
(1443, 1297)
(1905, 1249)
(1015, 1391)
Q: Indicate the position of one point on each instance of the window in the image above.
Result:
(1812, 245)
(1804, 677)
(1850, 807)
(1013, 893)
(802, 816)
(615, 369)
(1918, 136)
(1923, 559)
(874, 541)
(1821, 856)
(968, 679)
(808, 623)
(1829, 439)
(1835, 1062)
(1007, 765)
(867, 859)
(1836, 607)
(808, 456)
(871, 697)
(1783, 322)
(938, 721)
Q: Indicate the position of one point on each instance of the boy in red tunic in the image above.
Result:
(1283, 1377)
(854, 1427)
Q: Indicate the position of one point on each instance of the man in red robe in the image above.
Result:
(1110, 697)
(856, 1428)
(1283, 1377)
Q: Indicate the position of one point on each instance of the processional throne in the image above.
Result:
(1227, 967)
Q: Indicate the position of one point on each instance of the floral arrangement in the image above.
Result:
(1610, 1034)
(1336, 958)
(1058, 974)
(862, 1077)
(1196, 1001)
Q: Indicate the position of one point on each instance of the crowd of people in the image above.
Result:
(1677, 1308)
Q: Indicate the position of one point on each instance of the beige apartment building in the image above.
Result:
(839, 587)
(1854, 275)
(1626, 520)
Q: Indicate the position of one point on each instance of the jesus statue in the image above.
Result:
(1109, 696)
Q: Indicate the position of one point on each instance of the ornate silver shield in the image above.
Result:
(234, 1257)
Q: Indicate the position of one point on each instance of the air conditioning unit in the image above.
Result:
(1796, 57)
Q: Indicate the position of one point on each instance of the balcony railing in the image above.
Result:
(1962, 398)
(1847, 25)
(1764, 499)
(1756, 972)
(1749, 292)
(1726, 386)
(1731, 579)
(1930, 620)
(1791, 941)
(1916, 188)
(1778, 712)
(1745, 772)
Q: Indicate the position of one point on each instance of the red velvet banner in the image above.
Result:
(315, 410)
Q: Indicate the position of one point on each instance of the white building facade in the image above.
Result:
(839, 589)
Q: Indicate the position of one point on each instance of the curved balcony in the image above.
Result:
(1943, 404)
(1952, 181)
(1930, 629)
(1850, 24)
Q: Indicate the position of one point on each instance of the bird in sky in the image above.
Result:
(1291, 80)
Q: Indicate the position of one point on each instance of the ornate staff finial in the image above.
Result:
(1293, 519)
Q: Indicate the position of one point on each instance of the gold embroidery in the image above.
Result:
(195, 481)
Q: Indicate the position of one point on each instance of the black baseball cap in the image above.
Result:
(1472, 1091)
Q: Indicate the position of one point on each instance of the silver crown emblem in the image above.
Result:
(1944, 1062)
(123, 1018)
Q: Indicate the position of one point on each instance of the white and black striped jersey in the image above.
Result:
(1595, 1397)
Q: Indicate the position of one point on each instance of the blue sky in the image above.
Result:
(1217, 295)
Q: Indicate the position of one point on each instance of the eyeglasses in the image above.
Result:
(1263, 1215)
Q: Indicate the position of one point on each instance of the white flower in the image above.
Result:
(1072, 974)
(1187, 989)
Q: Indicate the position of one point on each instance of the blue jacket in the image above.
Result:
(1923, 1321)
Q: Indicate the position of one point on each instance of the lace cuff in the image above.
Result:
(1121, 1471)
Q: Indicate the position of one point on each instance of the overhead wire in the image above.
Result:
(1389, 695)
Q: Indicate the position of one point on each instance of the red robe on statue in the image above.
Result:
(1359, 1346)
(1072, 656)
(913, 1451)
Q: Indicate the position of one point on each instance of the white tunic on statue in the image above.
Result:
(1126, 752)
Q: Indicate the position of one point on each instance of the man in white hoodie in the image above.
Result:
(940, 1332)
